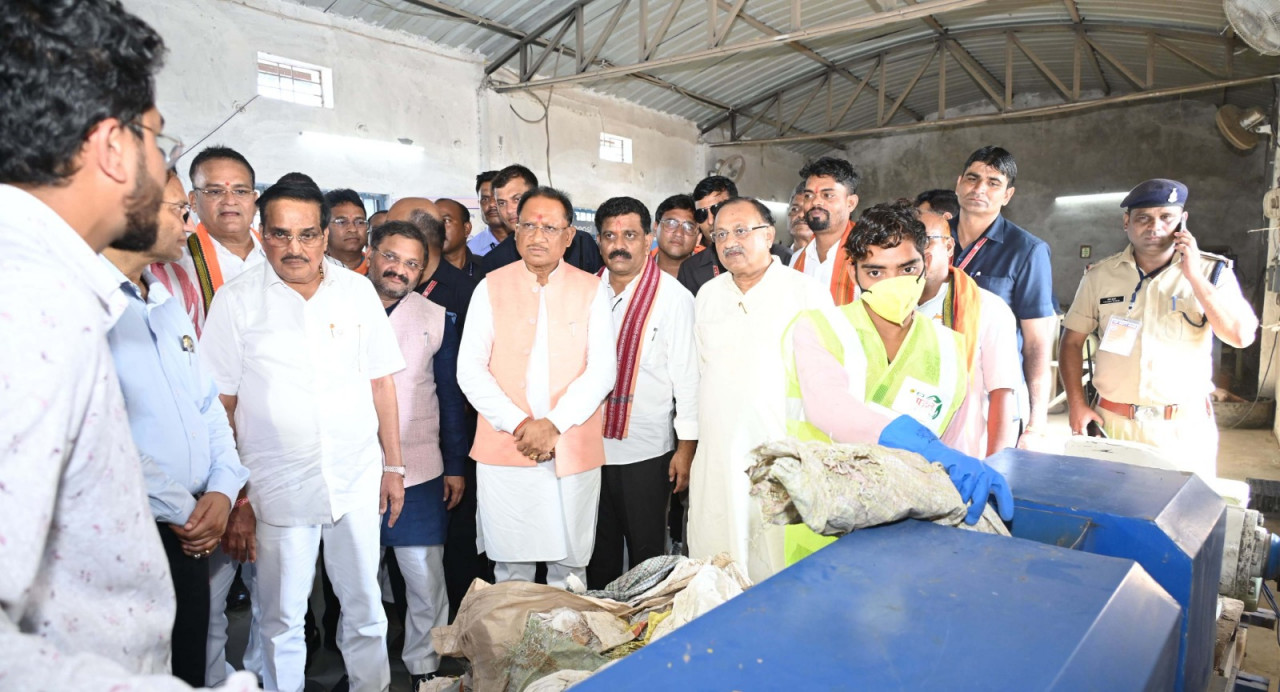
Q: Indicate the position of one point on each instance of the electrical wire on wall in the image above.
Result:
(546, 115)
(237, 111)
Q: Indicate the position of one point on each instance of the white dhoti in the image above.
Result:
(527, 515)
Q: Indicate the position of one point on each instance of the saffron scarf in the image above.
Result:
(617, 410)
(961, 310)
(842, 289)
(204, 255)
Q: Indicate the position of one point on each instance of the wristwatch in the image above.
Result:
(393, 469)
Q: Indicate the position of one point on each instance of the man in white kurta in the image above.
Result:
(543, 510)
(739, 321)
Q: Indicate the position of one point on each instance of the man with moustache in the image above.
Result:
(656, 386)
(708, 196)
(739, 320)
(537, 362)
(86, 598)
(433, 440)
(1155, 306)
(188, 454)
(303, 355)
(510, 185)
(801, 234)
(348, 230)
(677, 233)
(457, 226)
(828, 199)
(494, 232)
(987, 420)
(870, 371)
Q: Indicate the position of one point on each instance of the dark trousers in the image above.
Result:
(191, 623)
(633, 509)
(462, 564)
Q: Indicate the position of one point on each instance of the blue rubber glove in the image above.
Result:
(973, 479)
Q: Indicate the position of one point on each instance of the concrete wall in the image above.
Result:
(391, 85)
(1101, 151)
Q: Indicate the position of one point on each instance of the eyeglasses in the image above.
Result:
(931, 238)
(720, 235)
(281, 238)
(217, 193)
(341, 223)
(182, 207)
(170, 147)
(395, 259)
(674, 225)
(701, 215)
(549, 231)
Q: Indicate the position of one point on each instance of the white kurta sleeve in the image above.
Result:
(584, 394)
(221, 348)
(475, 379)
(682, 362)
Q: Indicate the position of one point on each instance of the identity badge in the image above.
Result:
(920, 401)
(1120, 336)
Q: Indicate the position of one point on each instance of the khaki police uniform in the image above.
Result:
(1165, 380)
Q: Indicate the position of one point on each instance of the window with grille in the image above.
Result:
(294, 81)
(615, 148)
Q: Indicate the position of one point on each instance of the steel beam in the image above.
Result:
(1008, 116)
(896, 15)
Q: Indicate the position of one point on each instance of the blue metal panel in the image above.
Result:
(916, 606)
(1171, 523)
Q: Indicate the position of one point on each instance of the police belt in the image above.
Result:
(1148, 413)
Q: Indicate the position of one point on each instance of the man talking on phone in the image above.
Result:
(1155, 308)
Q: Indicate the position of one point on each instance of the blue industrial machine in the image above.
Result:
(916, 606)
(1170, 523)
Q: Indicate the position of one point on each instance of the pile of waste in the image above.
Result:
(836, 488)
(521, 636)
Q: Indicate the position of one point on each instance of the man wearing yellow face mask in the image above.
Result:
(870, 371)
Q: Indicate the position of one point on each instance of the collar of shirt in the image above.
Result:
(774, 266)
(534, 277)
(994, 233)
(626, 292)
(1126, 257)
(62, 244)
(157, 294)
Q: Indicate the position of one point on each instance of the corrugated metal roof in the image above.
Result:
(1119, 29)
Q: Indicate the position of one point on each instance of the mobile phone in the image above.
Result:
(1095, 430)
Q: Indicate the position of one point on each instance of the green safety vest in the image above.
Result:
(927, 381)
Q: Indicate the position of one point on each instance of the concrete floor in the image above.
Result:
(1242, 454)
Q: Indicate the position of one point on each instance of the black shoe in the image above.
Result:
(238, 596)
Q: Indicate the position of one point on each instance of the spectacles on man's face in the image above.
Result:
(674, 225)
(170, 147)
(281, 238)
(217, 193)
(342, 223)
(183, 208)
(721, 234)
(393, 258)
(548, 231)
(702, 214)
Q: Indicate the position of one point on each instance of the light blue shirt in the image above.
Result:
(177, 420)
(481, 243)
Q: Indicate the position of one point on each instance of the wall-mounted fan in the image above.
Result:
(1257, 22)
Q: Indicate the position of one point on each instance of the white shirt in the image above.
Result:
(813, 267)
(667, 380)
(86, 600)
(481, 243)
(579, 400)
(180, 280)
(996, 366)
(301, 369)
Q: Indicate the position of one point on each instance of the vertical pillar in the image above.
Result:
(1271, 299)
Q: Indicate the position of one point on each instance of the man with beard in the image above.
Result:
(188, 454)
(494, 232)
(457, 225)
(303, 356)
(870, 371)
(433, 440)
(708, 196)
(1156, 307)
(677, 233)
(441, 282)
(348, 230)
(739, 320)
(828, 199)
(657, 384)
(510, 185)
(537, 362)
(86, 599)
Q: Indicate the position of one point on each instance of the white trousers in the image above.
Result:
(428, 604)
(557, 572)
(286, 572)
(222, 574)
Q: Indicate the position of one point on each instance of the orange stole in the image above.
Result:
(842, 288)
(962, 310)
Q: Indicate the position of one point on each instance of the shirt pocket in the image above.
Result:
(999, 285)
